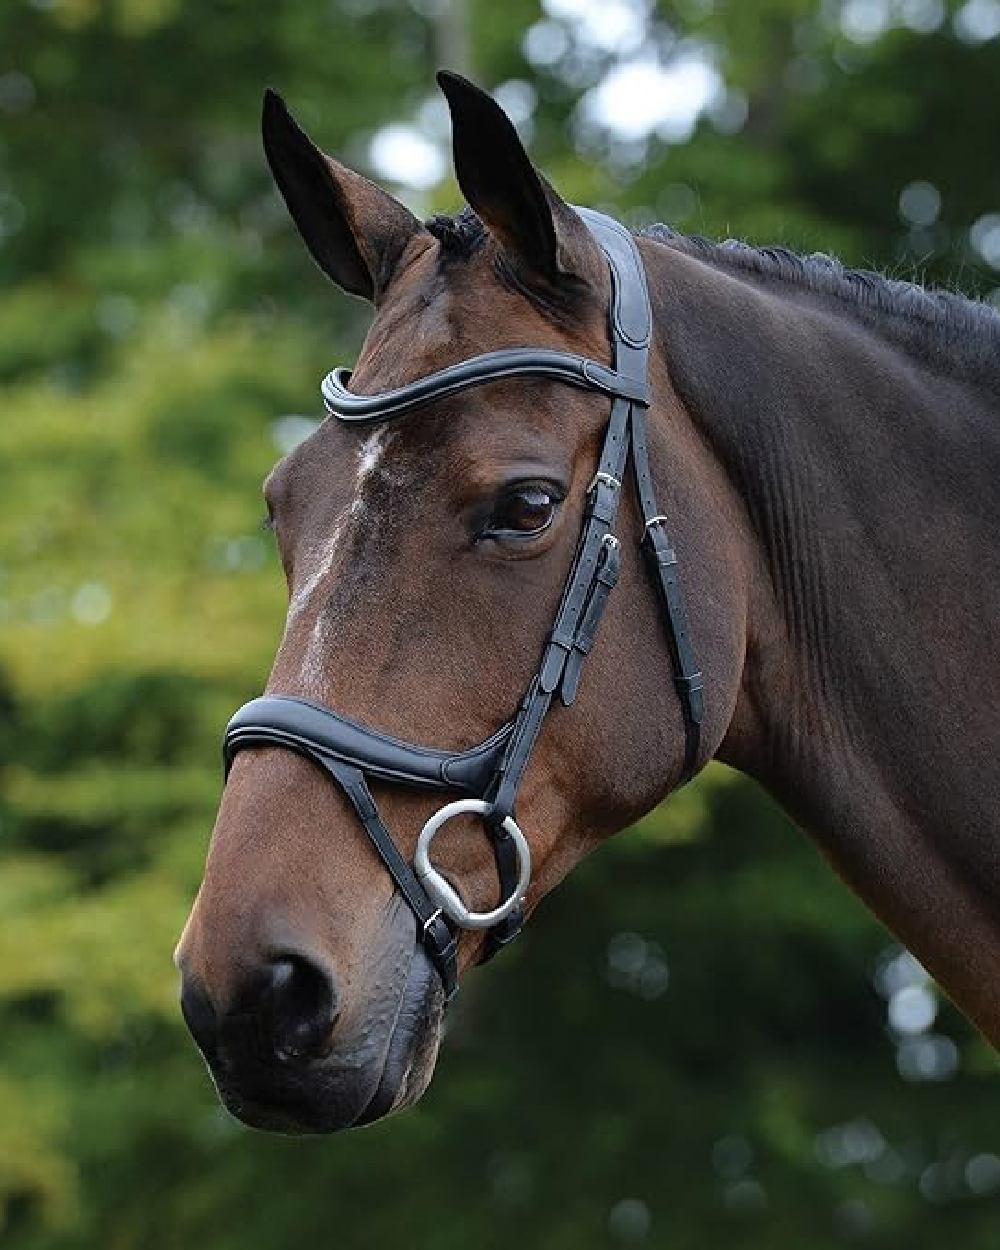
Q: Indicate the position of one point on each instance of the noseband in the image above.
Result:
(487, 777)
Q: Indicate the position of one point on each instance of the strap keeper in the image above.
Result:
(655, 544)
(608, 566)
(560, 638)
(658, 552)
(502, 935)
(690, 683)
(663, 559)
(442, 948)
(690, 690)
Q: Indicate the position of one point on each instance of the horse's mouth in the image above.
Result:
(350, 1087)
(413, 1043)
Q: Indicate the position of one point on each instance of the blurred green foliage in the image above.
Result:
(690, 1047)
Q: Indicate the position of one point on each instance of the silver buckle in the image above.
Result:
(436, 915)
(659, 519)
(605, 479)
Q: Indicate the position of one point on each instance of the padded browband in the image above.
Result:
(512, 362)
(312, 729)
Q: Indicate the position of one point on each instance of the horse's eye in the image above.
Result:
(522, 512)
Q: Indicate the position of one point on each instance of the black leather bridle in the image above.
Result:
(488, 776)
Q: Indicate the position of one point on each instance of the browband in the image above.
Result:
(518, 362)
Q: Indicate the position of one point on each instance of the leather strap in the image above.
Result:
(631, 316)
(595, 566)
(301, 724)
(564, 638)
(517, 362)
(432, 928)
(661, 559)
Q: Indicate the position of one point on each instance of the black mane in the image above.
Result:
(935, 319)
(927, 318)
(460, 236)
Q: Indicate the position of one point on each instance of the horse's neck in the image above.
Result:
(871, 692)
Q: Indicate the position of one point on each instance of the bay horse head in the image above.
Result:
(450, 538)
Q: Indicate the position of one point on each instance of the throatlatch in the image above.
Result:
(488, 776)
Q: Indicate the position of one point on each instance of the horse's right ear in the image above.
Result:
(355, 231)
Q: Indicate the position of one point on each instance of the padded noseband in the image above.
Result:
(312, 729)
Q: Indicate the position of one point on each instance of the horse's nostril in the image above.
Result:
(284, 1012)
(297, 1009)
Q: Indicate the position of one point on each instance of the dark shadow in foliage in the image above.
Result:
(9, 716)
(143, 718)
(202, 427)
(147, 726)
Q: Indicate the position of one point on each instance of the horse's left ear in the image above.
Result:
(354, 230)
(536, 229)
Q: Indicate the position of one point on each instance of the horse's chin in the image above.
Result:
(413, 1047)
(350, 1087)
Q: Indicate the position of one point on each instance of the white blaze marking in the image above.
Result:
(370, 453)
(324, 559)
(314, 662)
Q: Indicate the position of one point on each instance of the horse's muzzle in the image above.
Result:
(280, 1060)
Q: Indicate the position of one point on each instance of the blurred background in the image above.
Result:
(702, 1040)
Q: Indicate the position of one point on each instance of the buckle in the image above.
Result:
(434, 916)
(603, 479)
(659, 519)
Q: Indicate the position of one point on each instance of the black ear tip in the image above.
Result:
(448, 80)
(278, 126)
(459, 90)
(274, 108)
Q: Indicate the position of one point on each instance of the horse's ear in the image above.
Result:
(354, 230)
(536, 229)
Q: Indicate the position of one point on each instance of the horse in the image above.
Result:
(824, 449)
